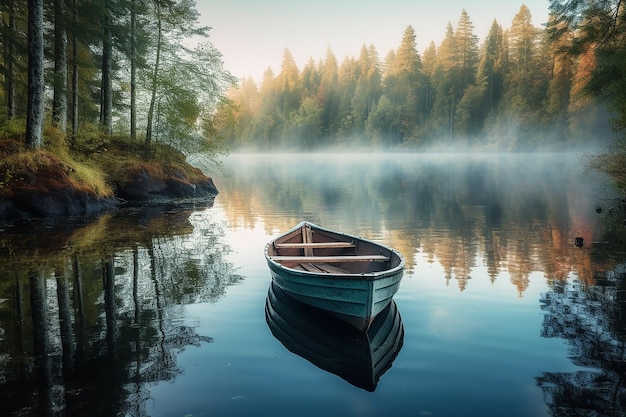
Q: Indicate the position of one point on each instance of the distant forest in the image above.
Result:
(523, 88)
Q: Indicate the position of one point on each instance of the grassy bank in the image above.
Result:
(96, 166)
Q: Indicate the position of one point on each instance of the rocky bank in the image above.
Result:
(50, 192)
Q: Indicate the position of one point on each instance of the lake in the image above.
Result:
(161, 311)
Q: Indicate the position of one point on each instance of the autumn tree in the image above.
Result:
(599, 27)
(562, 67)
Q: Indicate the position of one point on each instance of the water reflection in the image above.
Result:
(91, 313)
(360, 358)
(94, 314)
(518, 213)
(508, 215)
(593, 321)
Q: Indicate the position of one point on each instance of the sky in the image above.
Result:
(253, 34)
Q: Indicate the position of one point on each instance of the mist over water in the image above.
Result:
(407, 190)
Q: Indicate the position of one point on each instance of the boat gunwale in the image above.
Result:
(362, 275)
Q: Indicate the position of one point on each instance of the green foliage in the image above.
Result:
(189, 82)
(516, 91)
(13, 128)
(519, 85)
(595, 33)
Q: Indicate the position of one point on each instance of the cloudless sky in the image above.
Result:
(253, 34)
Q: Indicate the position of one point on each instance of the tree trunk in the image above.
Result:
(79, 308)
(74, 134)
(110, 307)
(65, 322)
(41, 339)
(9, 57)
(106, 93)
(59, 101)
(155, 75)
(133, 70)
(35, 112)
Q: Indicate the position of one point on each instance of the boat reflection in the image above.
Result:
(360, 358)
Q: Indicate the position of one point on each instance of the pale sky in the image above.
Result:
(253, 34)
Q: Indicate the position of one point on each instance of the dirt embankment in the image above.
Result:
(43, 186)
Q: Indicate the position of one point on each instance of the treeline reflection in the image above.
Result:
(89, 313)
(516, 213)
(512, 214)
(593, 321)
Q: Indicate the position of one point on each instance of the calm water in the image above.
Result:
(161, 312)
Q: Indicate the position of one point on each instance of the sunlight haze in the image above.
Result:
(252, 35)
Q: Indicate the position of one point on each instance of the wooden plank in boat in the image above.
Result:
(324, 245)
(307, 266)
(331, 269)
(321, 268)
(307, 237)
(330, 259)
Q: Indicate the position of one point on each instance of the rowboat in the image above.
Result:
(350, 277)
(360, 358)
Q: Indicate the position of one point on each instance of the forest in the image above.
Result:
(90, 70)
(523, 88)
(87, 70)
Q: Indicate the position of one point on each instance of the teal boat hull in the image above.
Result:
(356, 298)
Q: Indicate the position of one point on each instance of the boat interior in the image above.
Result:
(322, 251)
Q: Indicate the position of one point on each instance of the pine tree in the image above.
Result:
(310, 79)
(467, 49)
(328, 96)
(368, 87)
(523, 96)
(349, 73)
(288, 85)
(493, 65)
(404, 84)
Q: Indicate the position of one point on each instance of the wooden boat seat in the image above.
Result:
(313, 245)
(322, 268)
(330, 259)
